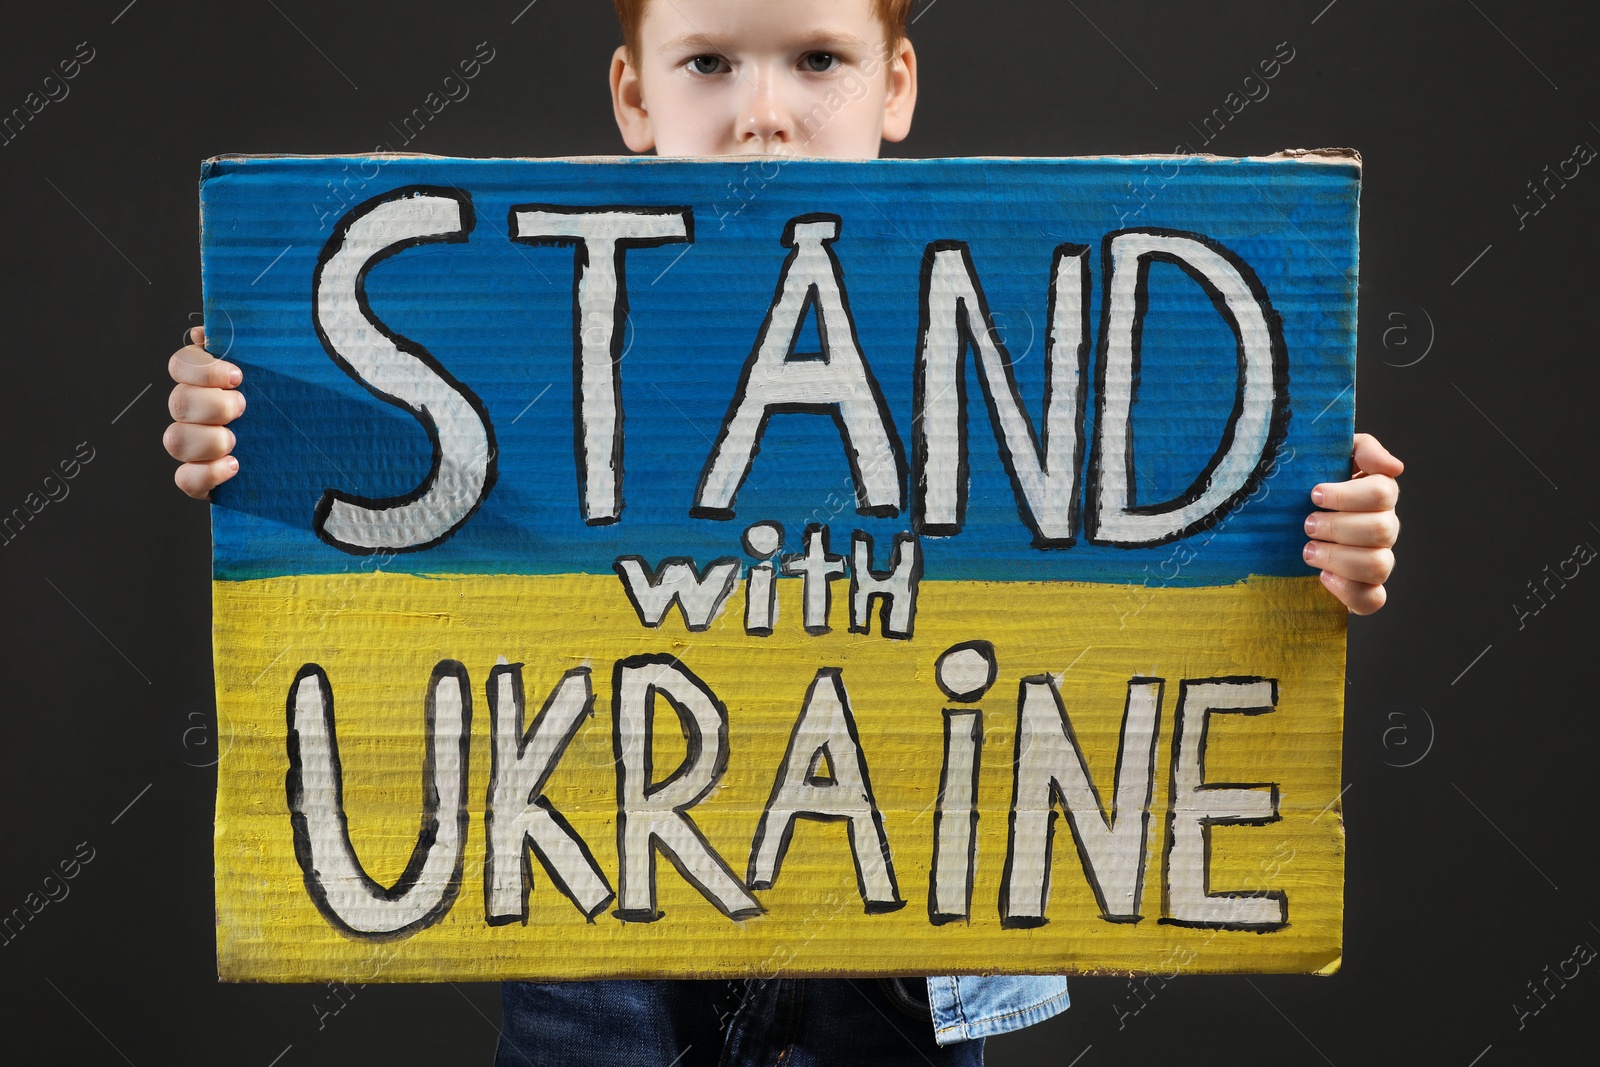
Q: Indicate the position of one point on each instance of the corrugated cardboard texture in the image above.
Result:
(501, 410)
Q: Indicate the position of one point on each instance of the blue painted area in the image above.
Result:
(499, 316)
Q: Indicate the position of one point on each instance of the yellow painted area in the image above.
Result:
(378, 637)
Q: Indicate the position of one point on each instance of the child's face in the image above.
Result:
(737, 77)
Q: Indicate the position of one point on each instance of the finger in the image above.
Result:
(1364, 529)
(198, 479)
(1375, 492)
(1359, 598)
(1370, 565)
(190, 443)
(196, 366)
(1370, 457)
(197, 335)
(212, 407)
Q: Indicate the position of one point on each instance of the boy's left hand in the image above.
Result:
(1352, 540)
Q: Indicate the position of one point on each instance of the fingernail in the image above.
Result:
(1309, 552)
(233, 464)
(1311, 526)
(236, 377)
(1316, 495)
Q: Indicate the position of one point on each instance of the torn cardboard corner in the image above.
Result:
(689, 569)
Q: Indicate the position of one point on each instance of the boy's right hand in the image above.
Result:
(202, 403)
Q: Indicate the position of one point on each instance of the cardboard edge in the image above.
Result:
(244, 971)
(1326, 156)
(1346, 156)
(219, 826)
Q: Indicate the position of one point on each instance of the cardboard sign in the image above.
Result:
(672, 568)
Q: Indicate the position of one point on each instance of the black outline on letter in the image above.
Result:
(967, 343)
(408, 347)
(886, 511)
(1059, 801)
(694, 745)
(529, 844)
(619, 321)
(940, 918)
(1208, 822)
(658, 574)
(804, 572)
(1141, 301)
(427, 834)
(908, 541)
(871, 907)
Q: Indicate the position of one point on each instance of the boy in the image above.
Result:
(829, 78)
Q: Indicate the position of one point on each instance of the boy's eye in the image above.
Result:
(818, 62)
(707, 64)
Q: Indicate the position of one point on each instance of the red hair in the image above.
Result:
(892, 14)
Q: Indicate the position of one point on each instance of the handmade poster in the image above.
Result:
(713, 568)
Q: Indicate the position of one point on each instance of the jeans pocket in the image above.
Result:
(910, 995)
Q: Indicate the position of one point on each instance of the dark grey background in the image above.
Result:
(1470, 732)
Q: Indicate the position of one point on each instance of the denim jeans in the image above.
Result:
(808, 1022)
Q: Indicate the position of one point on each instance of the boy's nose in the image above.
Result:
(765, 120)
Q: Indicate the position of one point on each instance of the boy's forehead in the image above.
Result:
(713, 23)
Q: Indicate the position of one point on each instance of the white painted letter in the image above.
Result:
(402, 373)
(835, 381)
(824, 776)
(334, 877)
(820, 567)
(519, 817)
(964, 672)
(1260, 407)
(1196, 807)
(600, 317)
(956, 314)
(955, 819)
(896, 589)
(1050, 768)
(652, 814)
(699, 598)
